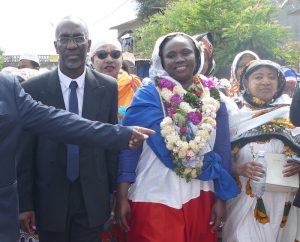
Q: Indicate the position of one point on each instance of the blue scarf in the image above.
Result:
(146, 111)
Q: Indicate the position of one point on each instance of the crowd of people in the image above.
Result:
(171, 158)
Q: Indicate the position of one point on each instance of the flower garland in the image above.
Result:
(190, 122)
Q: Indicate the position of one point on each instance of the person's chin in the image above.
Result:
(265, 98)
(110, 73)
(73, 64)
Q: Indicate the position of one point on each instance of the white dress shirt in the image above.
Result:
(65, 83)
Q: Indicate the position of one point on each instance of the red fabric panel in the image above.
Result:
(154, 222)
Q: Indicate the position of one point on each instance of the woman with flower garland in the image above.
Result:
(179, 186)
(262, 124)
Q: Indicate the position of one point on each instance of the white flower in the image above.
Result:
(189, 153)
(179, 143)
(209, 120)
(202, 134)
(178, 90)
(208, 100)
(181, 154)
(166, 122)
(172, 138)
(202, 145)
(167, 94)
(194, 146)
(206, 127)
(175, 149)
(170, 146)
(167, 130)
(209, 108)
(187, 171)
(185, 107)
(185, 145)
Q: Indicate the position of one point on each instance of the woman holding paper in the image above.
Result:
(262, 124)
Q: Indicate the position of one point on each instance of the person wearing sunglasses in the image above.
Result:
(106, 57)
(63, 189)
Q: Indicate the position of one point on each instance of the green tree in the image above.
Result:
(290, 54)
(147, 8)
(1, 59)
(236, 25)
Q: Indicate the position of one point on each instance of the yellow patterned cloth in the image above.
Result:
(127, 86)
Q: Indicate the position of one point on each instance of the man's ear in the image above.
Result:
(55, 46)
(89, 45)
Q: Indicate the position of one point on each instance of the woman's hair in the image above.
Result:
(196, 50)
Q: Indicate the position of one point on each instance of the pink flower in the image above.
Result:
(176, 99)
(172, 111)
(199, 92)
(164, 83)
(182, 130)
(195, 117)
(208, 82)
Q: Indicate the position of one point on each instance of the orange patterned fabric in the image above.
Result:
(127, 85)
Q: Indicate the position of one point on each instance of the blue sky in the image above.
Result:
(28, 26)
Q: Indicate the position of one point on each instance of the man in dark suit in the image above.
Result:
(19, 111)
(68, 210)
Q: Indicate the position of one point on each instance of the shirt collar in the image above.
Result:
(65, 80)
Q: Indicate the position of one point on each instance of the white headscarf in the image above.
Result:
(98, 45)
(156, 68)
(237, 59)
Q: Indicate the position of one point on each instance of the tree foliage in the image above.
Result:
(236, 25)
(147, 8)
(290, 54)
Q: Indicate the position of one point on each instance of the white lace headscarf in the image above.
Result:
(156, 68)
(237, 59)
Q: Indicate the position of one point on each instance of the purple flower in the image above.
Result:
(198, 92)
(208, 82)
(164, 83)
(195, 117)
(176, 99)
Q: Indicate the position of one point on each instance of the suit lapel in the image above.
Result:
(92, 96)
(54, 95)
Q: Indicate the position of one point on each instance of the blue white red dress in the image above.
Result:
(164, 206)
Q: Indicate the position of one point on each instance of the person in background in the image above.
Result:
(63, 189)
(207, 53)
(30, 61)
(208, 64)
(128, 62)
(176, 183)
(238, 64)
(262, 124)
(22, 74)
(20, 112)
(106, 57)
(291, 81)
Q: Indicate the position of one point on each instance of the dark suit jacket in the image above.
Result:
(19, 111)
(295, 119)
(42, 182)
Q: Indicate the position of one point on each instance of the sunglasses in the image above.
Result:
(102, 54)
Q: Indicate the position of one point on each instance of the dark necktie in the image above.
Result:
(73, 150)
